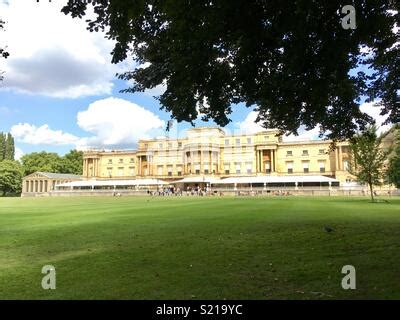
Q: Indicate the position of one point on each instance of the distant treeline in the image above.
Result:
(12, 171)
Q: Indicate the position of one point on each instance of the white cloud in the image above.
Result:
(111, 123)
(27, 133)
(53, 54)
(374, 111)
(18, 153)
(249, 125)
(156, 91)
(304, 135)
(116, 122)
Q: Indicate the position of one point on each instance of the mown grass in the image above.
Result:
(199, 248)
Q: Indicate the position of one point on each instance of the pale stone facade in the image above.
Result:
(210, 152)
(41, 183)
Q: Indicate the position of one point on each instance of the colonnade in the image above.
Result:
(260, 164)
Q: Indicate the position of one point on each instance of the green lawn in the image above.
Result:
(199, 248)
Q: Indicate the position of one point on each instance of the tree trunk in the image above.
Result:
(372, 191)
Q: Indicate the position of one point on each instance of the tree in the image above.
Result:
(7, 146)
(367, 158)
(10, 177)
(2, 146)
(9, 150)
(290, 59)
(3, 52)
(393, 172)
(42, 161)
(73, 162)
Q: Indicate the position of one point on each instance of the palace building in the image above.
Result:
(213, 161)
(209, 152)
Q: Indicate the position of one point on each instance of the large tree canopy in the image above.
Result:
(289, 58)
(52, 162)
(73, 162)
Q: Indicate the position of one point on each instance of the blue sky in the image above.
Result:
(60, 90)
(57, 71)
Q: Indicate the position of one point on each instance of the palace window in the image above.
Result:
(321, 151)
(159, 170)
(289, 166)
(238, 142)
(197, 168)
(120, 172)
(238, 167)
(266, 137)
(248, 140)
(289, 153)
(206, 168)
(306, 166)
(321, 166)
(169, 145)
(132, 160)
(109, 172)
(131, 171)
(305, 152)
(227, 142)
(249, 167)
(169, 169)
(226, 168)
(109, 161)
(121, 161)
(179, 144)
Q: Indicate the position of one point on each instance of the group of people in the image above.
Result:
(176, 191)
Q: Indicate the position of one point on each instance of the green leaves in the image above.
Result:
(3, 53)
(290, 59)
(51, 162)
(393, 172)
(10, 177)
(367, 158)
(7, 147)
